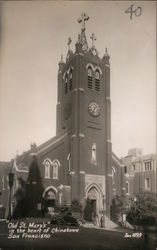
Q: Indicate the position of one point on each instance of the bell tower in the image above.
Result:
(84, 113)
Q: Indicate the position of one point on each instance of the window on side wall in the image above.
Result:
(47, 165)
(148, 166)
(56, 165)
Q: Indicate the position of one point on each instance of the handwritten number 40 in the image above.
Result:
(137, 12)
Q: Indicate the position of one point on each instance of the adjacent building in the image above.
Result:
(140, 172)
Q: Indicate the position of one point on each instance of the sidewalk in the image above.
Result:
(108, 224)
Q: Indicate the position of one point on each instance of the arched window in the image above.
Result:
(56, 165)
(97, 75)
(47, 164)
(97, 80)
(66, 85)
(127, 187)
(89, 72)
(113, 175)
(70, 80)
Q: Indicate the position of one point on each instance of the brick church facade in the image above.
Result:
(76, 164)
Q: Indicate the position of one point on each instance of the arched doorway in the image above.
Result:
(93, 202)
(49, 198)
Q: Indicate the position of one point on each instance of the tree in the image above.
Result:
(76, 207)
(29, 194)
(34, 189)
(117, 208)
(143, 210)
(20, 194)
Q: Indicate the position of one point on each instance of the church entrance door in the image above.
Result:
(49, 200)
(92, 205)
(90, 210)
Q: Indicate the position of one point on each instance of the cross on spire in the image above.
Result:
(82, 20)
(93, 38)
(69, 42)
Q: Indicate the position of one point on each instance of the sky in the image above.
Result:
(34, 34)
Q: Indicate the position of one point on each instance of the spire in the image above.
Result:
(93, 38)
(82, 37)
(106, 57)
(61, 63)
(69, 42)
(70, 53)
(106, 53)
(93, 48)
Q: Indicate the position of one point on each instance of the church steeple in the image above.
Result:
(83, 113)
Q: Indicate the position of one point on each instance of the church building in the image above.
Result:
(78, 162)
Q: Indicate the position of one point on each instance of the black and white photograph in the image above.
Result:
(78, 161)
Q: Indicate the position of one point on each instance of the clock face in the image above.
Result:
(67, 111)
(94, 108)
